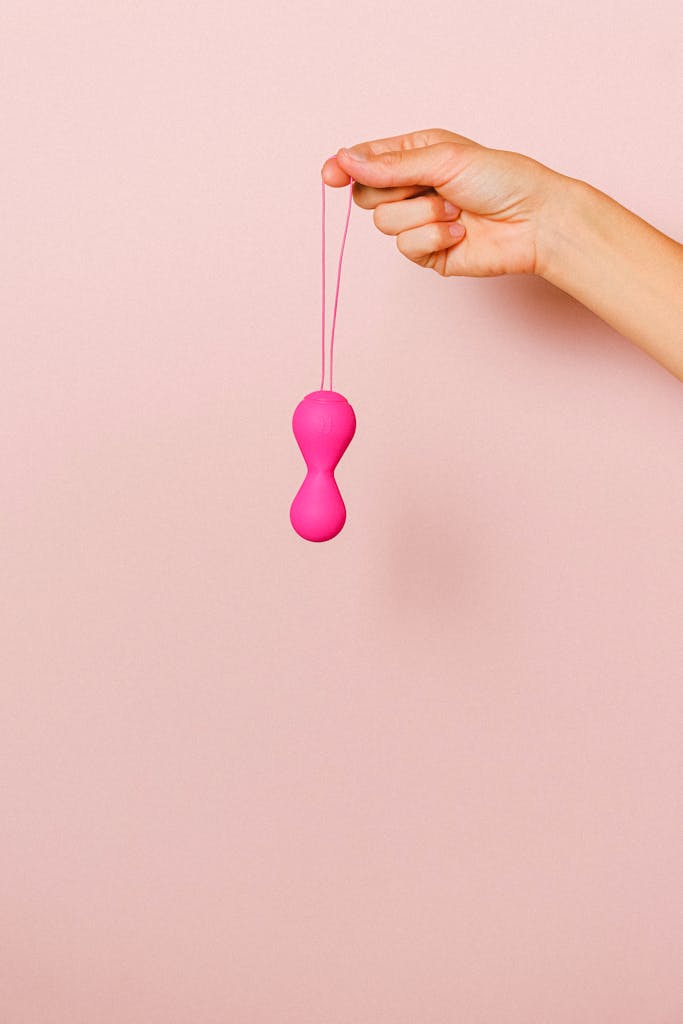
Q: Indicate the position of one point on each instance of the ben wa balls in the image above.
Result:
(324, 424)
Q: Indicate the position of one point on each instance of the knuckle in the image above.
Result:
(436, 207)
(451, 150)
(402, 244)
(450, 159)
(381, 219)
(362, 197)
(390, 157)
(432, 237)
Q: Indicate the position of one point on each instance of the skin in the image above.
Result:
(461, 208)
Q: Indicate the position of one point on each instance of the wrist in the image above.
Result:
(616, 264)
(563, 221)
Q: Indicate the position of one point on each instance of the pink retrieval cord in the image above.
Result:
(323, 424)
(336, 294)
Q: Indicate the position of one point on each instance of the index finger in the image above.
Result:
(363, 195)
(410, 140)
(333, 174)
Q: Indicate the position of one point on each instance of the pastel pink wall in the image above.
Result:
(425, 773)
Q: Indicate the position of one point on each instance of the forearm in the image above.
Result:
(617, 265)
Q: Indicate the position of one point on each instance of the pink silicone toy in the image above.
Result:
(323, 425)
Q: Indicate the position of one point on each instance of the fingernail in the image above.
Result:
(353, 154)
(448, 207)
(457, 230)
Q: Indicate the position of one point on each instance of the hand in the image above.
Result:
(461, 208)
(453, 205)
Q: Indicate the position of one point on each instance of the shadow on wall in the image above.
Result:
(518, 314)
(531, 307)
(443, 563)
(434, 564)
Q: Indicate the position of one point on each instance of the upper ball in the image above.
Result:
(324, 424)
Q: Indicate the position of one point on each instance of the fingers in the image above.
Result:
(398, 178)
(335, 175)
(428, 166)
(366, 198)
(424, 227)
(332, 173)
(394, 217)
(409, 141)
(421, 244)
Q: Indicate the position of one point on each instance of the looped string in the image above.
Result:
(336, 294)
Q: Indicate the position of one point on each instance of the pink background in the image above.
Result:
(425, 773)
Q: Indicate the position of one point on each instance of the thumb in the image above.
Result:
(432, 165)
